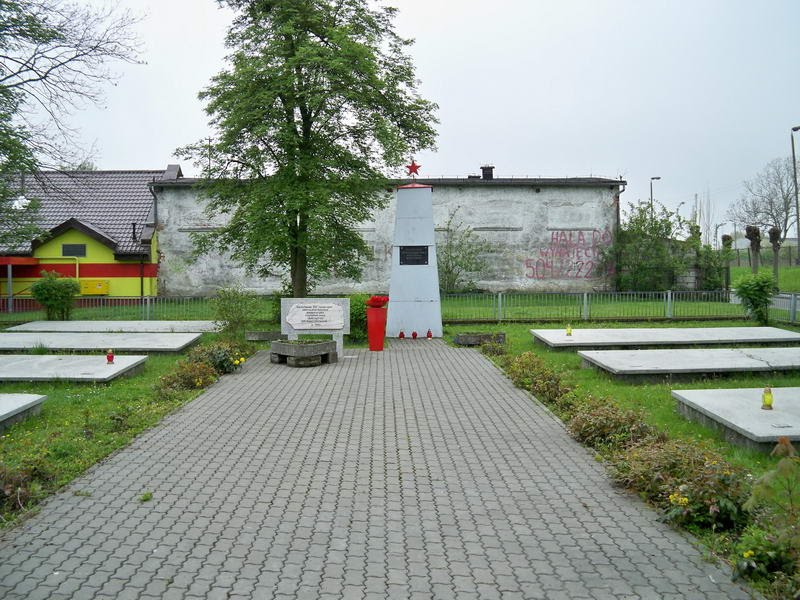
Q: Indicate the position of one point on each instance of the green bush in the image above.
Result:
(56, 294)
(529, 372)
(776, 502)
(493, 349)
(694, 485)
(755, 292)
(233, 309)
(601, 424)
(760, 554)
(523, 368)
(188, 375)
(225, 357)
(547, 386)
(358, 317)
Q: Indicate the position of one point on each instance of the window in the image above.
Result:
(73, 249)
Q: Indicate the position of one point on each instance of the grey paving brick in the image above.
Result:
(387, 475)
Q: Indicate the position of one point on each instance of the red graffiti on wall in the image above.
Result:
(570, 255)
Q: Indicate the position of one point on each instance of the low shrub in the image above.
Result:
(567, 404)
(188, 375)
(493, 349)
(225, 357)
(233, 309)
(693, 484)
(20, 486)
(530, 372)
(523, 368)
(601, 424)
(760, 554)
(775, 502)
(547, 385)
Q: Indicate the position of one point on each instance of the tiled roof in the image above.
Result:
(106, 201)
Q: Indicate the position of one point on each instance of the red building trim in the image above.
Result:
(93, 270)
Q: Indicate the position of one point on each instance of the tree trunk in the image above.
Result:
(299, 261)
(299, 273)
(752, 233)
(776, 257)
(775, 240)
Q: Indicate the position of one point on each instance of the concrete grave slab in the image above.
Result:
(16, 407)
(118, 326)
(97, 342)
(26, 367)
(668, 362)
(738, 414)
(666, 336)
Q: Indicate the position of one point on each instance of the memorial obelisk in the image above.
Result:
(414, 304)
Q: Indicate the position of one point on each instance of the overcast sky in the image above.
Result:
(702, 93)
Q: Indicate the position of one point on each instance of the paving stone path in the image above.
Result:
(418, 472)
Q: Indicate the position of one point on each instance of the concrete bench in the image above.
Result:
(310, 354)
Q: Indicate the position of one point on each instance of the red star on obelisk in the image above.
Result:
(413, 168)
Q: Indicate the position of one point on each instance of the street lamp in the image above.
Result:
(796, 207)
(652, 179)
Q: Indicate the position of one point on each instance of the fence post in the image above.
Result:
(147, 304)
(499, 307)
(793, 308)
(669, 304)
(585, 310)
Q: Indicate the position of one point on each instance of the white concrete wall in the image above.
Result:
(544, 241)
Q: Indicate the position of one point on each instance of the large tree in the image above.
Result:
(768, 199)
(318, 104)
(53, 57)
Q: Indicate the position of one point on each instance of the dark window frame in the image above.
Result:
(73, 250)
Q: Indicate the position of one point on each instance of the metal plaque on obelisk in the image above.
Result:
(414, 304)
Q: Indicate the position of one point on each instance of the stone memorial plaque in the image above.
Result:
(316, 316)
(413, 255)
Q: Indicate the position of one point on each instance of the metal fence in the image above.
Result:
(563, 306)
(456, 308)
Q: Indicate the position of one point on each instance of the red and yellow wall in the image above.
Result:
(99, 273)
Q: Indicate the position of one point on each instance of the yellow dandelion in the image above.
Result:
(748, 554)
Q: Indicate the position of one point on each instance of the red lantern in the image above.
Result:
(110, 357)
(429, 335)
(413, 335)
(402, 335)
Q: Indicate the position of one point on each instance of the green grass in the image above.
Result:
(653, 398)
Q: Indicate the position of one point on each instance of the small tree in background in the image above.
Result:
(233, 309)
(755, 291)
(710, 264)
(459, 254)
(56, 294)
(645, 254)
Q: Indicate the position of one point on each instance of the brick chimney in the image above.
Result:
(487, 172)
